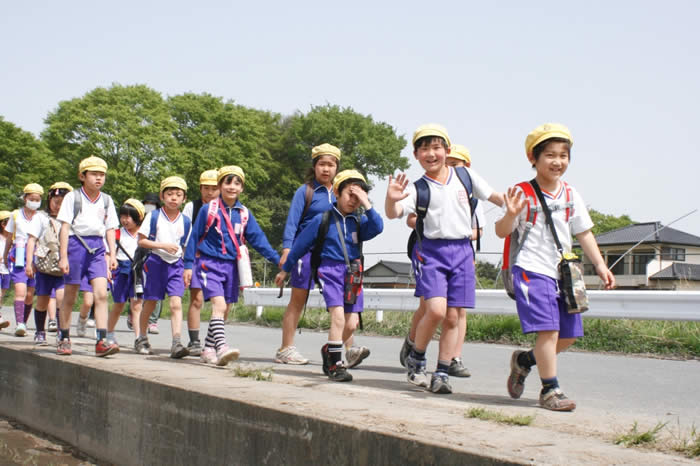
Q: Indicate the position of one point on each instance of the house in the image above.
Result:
(666, 258)
(389, 274)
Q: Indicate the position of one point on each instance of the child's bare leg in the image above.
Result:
(546, 353)
(461, 333)
(352, 320)
(99, 292)
(114, 314)
(176, 316)
(292, 314)
(88, 300)
(449, 336)
(146, 311)
(70, 294)
(194, 311)
(435, 311)
(136, 306)
(417, 316)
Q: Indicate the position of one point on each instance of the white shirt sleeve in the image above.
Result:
(482, 190)
(10, 227)
(112, 222)
(37, 228)
(581, 220)
(65, 213)
(145, 227)
(187, 211)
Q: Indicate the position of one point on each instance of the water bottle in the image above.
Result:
(245, 274)
(20, 252)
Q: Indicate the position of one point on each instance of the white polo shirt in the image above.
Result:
(92, 219)
(128, 242)
(37, 229)
(19, 225)
(167, 231)
(449, 214)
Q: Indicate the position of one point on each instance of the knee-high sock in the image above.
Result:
(27, 311)
(19, 312)
(40, 319)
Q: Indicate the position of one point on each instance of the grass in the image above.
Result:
(497, 416)
(688, 445)
(254, 373)
(636, 437)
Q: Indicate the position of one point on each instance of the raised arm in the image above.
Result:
(395, 192)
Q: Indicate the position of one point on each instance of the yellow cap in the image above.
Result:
(4, 214)
(61, 185)
(92, 164)
(458, 151)
(347, 175)
(33, 188)
(173, 182)
(431, 129)
(230, 170)
(325, 149)
(544, 132)
(136, 204)
(208, 178)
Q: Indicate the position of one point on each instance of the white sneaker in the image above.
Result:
(290, 355)
(225, 355)
(21, 330)
(208, 356)
(81, 327)
(91, 323)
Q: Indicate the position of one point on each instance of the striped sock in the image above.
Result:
(335, 352)
(218, 332)
(209, 340)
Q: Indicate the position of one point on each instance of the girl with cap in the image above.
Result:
(311, 199)
(14, 255)
(151, 202)
(48, 287)
(4, 272)
(222, 227)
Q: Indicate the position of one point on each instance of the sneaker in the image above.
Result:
(405, 351)
(516, 379)
(21, 330)
(326, 358)
(129, 322)
(225, 355)
(355, 355)
(153, 329)
(106, 347)
(178, 351)
(338, 373)
(556, 401)
(40, 339)
(91, 323)
(416, 371)
(194, 348)
(64, 348)
(208, 356)
(53, 325)
(457, 368)
(142, 346)
(290, 355)
(440, 383)
(81, 327)
(4, 323)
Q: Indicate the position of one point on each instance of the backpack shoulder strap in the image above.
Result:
(244, 221)
(466, 180)
(422, 203)
(318, 244)
(569, 201)
(308, 197)
(77, 203)
(532, 204)
(154, 225)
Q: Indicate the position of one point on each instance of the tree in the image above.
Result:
(486, 274)
(604, 222)
(128, 126)
(23, 159)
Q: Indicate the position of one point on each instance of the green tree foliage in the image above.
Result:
(23, 159)
(128, 126)
(486, 274)
(604, 222)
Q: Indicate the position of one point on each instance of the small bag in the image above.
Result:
(46, 255)
(353, 271)
(570, 267)
(245, 273)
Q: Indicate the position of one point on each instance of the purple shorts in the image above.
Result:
(161, 278)
(46, 285)
(447, 271)
(122, 287)
(85, 285)
(301, 273)
(218, 277)
(17, 274)
(332, 276)
(83, 265)
(5, 281)
(541, 307)
(195, 283)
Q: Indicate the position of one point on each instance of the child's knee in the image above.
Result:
(351, 322)
(451, 318)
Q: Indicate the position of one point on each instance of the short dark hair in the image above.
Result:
(152, 198)
(428, 140)
(539, 148)
(353, 181)
(3, 224)
(128, 209)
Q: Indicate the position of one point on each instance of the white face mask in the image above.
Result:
(32, 205)
(149, 208)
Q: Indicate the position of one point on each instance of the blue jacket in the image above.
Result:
(211, 245)
(321, 201)
(370, 225)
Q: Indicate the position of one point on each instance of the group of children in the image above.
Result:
(165, 250)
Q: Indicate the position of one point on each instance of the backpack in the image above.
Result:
(46, 255)
(423, 201)
(308, 197)
(213, 217)
(514, 243)
(141, 253)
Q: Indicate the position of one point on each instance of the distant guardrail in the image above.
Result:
(632, 304)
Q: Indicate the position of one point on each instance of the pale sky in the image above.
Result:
(623, 76)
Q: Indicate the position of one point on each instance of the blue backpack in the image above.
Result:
(154, 223)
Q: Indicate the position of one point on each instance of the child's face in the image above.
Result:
(348, 201)
(325, 169)
(55, 204)
(209, 193)
(231, 190)
(172, 199)
(431, 156)
(93, 181)
(127, 222)
(453, 162)
(552, 162)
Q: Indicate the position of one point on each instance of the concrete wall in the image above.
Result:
(127, 420)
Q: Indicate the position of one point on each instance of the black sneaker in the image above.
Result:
(178, 351)
(405, 350)
(338, 373)
(440, 383)
(326, 358)
(194, 348)
(457, 368)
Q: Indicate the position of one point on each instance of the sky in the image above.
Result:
(623, 76)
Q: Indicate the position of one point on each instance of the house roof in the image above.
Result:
(399, 268)
(632, 234)
(678, 271)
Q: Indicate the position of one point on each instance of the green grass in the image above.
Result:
(254, 373)
(497, 416)
(688, 445)
(636, 437)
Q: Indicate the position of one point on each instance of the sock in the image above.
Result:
(19, 312)
(176, 339)
(27, 311)
(443, 366)
(416, 354)
(549, 384)
(335, 352)
(58, 317)
(218, 333)
(63, 334)
(194, 335)
(527, 359)
(101, 333)
(82, 319)
(39, 319)
(110, 336)
(209, 340)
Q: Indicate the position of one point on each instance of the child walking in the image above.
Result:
(165, 231)
(541, 307)
(340, 232)
(4, 272)
(213, 251)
